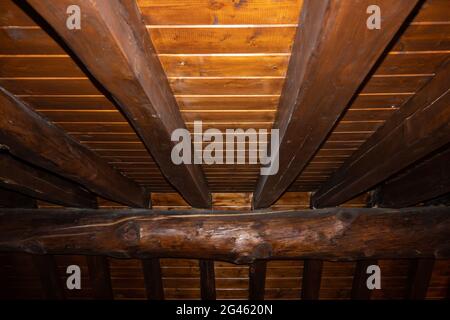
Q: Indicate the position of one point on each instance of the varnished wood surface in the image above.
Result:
(276, 235)
(146, 99)
(214, 45)
(30, 137)
(325, 72)
(39, 184)
(415, 131)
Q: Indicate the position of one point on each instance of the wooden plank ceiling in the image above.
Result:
(226, 65)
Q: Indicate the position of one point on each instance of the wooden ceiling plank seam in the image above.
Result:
(319, 42)
(257, 280)
(145, 98)
(43, 185)
(396, 145)
(49, 147)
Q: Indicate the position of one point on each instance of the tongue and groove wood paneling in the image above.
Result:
(412, 61)
(226, 65)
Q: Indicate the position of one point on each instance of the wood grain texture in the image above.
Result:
(204, 12)
(207, 280)
(39, 184)
(145, 97)
(333, 234)
(153, 280)
(312, 274)
(427, 180)
(320, 50)
(420, 127)
(257, 280)
(28, 136)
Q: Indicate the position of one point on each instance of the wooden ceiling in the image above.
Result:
(226, 65)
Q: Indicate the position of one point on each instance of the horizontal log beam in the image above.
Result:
(114, 45)
(427, 180)
(420, 127)
(31, 138)
(39, 184)
(333, 52)
(330, 234)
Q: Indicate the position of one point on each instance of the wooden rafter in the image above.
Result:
(334, 234)
(39, 184)
(333, 52)
(153, 279)
(130, 70)
(30, 137)
(100, 277)
(418, 128)
(360, 291)
(48, 274)
(207, 280)
(419, 278)
(428, 180)
(312, 276)
(257, 280)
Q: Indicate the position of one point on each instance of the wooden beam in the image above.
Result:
(39, 184)
(329, 234)
(100, 277)
(48, 273)
(418, 128)
(425, 181)
(30, 137)
(359, 287)
(257, 280)
(12, 199)
(207, 280)
(332, 54)
(153, 279)
(130, 70)
(312, 275)
(419, 278)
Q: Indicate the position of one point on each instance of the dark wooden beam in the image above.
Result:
(419, 278)
(419, 127)
(332, 54)
(48, 273)
(257, 280)
(130, 70)
(153, 279)
(329, 234)
(312, 275)
(100, 277)
(30, 137)
(359, 287)
(12, 199)
(207, 280)
(425, 181)
(39, 184)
